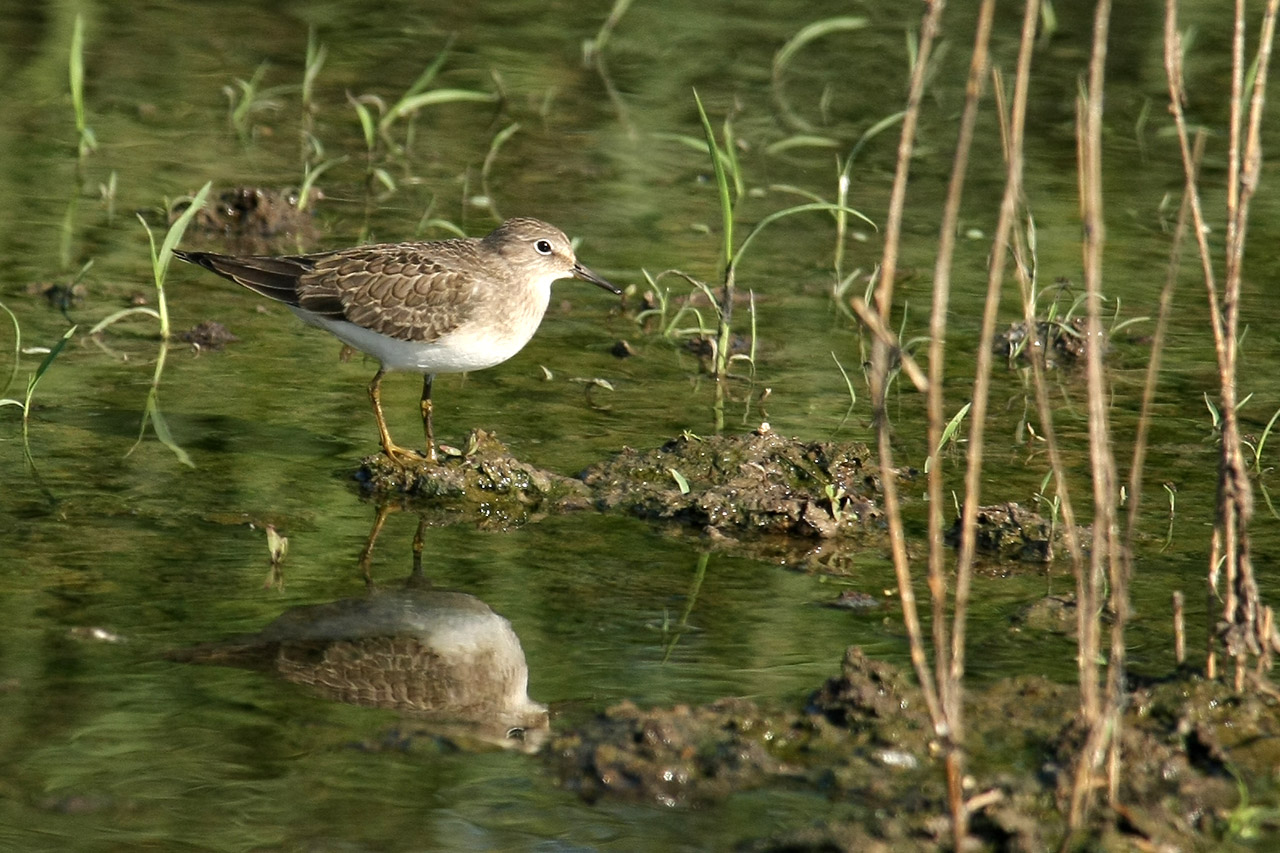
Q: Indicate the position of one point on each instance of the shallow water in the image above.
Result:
(106, 745)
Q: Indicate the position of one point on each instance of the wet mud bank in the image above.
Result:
(863, 742)
(805, 504)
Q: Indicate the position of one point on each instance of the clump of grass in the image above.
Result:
(246, 98)
(389, 133)
(160, 259)
(730, 189)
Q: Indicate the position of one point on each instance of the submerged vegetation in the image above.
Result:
(927, 379)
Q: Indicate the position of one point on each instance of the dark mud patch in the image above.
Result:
(208, 335)
(863, 742)
(483, 482)
(255, 220)
(1009, 534)
(1064, 343)
(770, 495)
(807, 504)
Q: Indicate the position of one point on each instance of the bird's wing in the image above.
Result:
(274, 278)
(397, 290)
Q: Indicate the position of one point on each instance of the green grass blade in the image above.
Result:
(161, 427)
(722, 180)
(408, 106)
(112, 319)
(367, 124)
(429, 73)
(812, 32)
(48, 359)
(791, 211)
(174, 235)
(45, 364)
(17, 348)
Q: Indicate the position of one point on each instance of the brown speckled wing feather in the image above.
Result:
(395, 289)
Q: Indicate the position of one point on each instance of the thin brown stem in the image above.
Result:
(1103, 724)
(878, 378)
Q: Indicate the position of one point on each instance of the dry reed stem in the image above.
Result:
(949, 656)
(878, 377)
(1243, 628)
(1179, 629)
(1103, 722)
(1177, 97)
(1013, 196)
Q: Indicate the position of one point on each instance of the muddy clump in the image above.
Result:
(481, 481)
(855, 727)
(1011, 532)
(254, 220)
(879, 703)
(865, 742)
(1064, 343)
(59, 295)
(756, 484)
(208, 335)
(672, 756)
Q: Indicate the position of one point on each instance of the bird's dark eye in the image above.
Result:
(542, 247)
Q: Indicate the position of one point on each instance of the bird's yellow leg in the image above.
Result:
(426, 416)
(394, 452)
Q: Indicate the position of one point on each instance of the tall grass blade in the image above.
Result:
(88, 143)
(722, 180)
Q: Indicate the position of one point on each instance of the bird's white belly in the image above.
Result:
(464, 350)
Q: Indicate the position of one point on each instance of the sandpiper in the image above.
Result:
(443, 307)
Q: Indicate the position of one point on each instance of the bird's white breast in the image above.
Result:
(490, 337)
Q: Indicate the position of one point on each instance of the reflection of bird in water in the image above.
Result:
(442, 656)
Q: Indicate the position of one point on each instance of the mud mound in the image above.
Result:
(483, 480)
(759, 483)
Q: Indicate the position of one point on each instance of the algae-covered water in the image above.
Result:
(113, 555)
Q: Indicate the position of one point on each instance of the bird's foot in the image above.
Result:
(406, 458)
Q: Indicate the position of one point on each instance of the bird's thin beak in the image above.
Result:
(579, 271)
